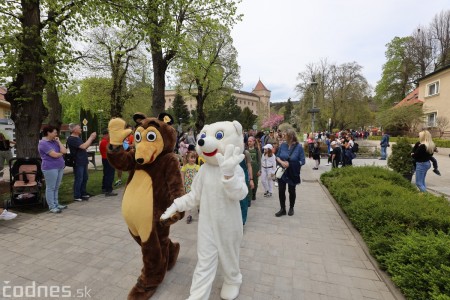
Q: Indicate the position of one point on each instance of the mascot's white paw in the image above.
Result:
(228, 162)
(229, 291)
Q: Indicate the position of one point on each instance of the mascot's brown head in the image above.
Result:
(153, 137)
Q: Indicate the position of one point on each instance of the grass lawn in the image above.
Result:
(94, 187)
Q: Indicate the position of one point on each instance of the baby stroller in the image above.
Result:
(26, 182)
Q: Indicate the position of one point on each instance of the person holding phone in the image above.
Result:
(51, 151)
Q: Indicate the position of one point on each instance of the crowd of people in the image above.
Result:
(264, 151)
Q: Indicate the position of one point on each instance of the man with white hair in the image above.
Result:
(80, 170)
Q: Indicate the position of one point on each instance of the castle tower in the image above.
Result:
(264, 99)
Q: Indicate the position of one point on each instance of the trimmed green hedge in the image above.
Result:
(439, 142)
(406, 231)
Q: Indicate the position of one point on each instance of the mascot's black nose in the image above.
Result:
(140, 160)
(201, 142)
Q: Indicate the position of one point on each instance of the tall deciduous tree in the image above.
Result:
(440, 35)
(341, 92)
(208, 64)
(399, 73)
(165, 24)
(118, 48)
(32, 63)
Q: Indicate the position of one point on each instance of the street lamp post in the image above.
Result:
(100, 111)
(313, 110)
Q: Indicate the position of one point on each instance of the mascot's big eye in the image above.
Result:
(151, 136)
(219, 135)
(202, 135)
(138, 136)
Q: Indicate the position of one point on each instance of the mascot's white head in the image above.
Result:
(213, 139)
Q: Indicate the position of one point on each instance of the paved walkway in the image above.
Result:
(311, 255)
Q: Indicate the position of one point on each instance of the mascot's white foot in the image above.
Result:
(229, 291)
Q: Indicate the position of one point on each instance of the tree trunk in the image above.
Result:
(55, 107)
(26, 90)
(159, 82)
(200, 122)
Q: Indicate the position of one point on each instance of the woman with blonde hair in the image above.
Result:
(422, 152)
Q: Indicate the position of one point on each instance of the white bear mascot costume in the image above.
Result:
(217, 189)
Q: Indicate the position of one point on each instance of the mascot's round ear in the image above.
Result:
(166, 118)
(238, 127)
(138, 117)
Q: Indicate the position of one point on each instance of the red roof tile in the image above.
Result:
(411, 98)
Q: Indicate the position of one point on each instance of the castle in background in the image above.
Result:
(258, 101)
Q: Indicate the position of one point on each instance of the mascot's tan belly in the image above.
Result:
(137, 205)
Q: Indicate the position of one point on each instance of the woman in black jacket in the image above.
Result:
(422, 152)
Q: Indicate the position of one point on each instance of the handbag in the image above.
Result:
(280, 170)
(69, 158)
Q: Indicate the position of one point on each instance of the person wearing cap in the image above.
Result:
(335, 154)
(268, 167)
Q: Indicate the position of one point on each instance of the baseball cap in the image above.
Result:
(268, 146)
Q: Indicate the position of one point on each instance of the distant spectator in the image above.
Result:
(336, 154)
(384, 143)
(5, 153)
(108, 170)
(52, 151)
(79, 150)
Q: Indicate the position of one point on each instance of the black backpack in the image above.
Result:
(69, 158)
(355, 147)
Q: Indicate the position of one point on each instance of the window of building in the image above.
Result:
(433, 88)
(7, 114)
(431, 119)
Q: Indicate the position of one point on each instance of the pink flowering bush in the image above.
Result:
(272, 121)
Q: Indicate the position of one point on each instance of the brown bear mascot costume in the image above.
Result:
(154, 181)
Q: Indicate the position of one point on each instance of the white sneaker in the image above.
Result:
(276, 184)
(327, 164)
(7, 215)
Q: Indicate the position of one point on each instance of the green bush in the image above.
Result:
(387, 209)
(429, 254)
(401, 160)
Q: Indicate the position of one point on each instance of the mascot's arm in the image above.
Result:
(235, 187)
(121, 159)
(188, 201)
(172, 176)
(117, 156)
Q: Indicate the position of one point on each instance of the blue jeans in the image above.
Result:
(81, 178)
(53, 179)
(383, 152)
(421, 172)
(108, 176)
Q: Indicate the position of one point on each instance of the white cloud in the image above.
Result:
(277, 39)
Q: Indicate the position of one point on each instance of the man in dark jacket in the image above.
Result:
(384, 144)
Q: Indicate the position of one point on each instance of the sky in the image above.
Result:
(277, 38)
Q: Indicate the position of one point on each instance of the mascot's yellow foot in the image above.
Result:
(173, 255)
(229, 291)
(139, 292)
